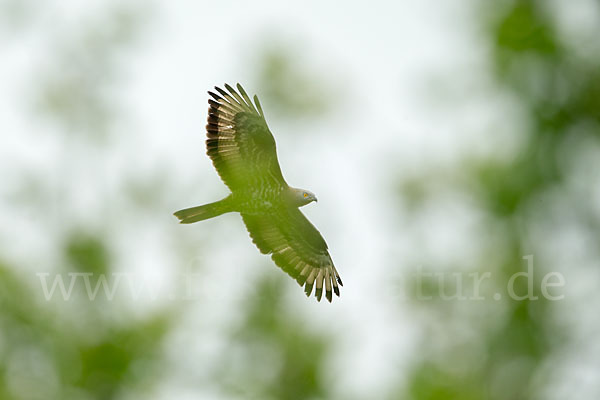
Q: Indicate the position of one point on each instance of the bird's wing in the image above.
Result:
(297, 247)
(239, 142)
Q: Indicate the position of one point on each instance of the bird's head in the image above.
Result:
(301, 197)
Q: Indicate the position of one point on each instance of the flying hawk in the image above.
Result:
(243, 152)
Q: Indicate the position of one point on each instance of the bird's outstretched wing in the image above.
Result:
(239, 142)
(297, 247)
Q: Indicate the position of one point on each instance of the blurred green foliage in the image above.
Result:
(46, 354)
(274, 356)
(488, 350)
(86, 253)
(77, 90)
(76, 348)
(558, 92)
(289, 84)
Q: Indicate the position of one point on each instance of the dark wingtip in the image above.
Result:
(319, 293)
(214, 95)
(337, 291)
(339, 280)
(329, 295)
(228, 87)
(308, 289)
(221, 91)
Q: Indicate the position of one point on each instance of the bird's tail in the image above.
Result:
(200, 213)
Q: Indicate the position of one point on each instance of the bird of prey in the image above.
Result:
(242, 149)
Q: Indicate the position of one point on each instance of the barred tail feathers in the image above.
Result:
(206, 211)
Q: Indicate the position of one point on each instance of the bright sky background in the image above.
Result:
(383, 58)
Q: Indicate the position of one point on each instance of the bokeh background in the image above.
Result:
(445, 140)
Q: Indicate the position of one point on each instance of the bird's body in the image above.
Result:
(244, 154)
(258, 201)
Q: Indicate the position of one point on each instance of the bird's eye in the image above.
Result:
(305, 194)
